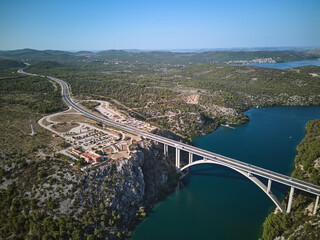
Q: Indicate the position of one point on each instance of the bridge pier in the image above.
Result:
(269, 185)
(290, 199)
(165, 150)
(316, 206)
(177, 158)
(190, 158)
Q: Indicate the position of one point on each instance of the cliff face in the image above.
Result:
(115, 185)
(120, 190)
(159, 173)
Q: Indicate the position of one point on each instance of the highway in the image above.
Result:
(222, 160)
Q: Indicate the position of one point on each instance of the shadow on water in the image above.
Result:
(227, 173)
(217, 171)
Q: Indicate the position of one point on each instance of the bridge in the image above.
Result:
(249, 171)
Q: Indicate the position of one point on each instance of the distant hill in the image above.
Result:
(162, 57)
(112, 51)
(85, 53)
(37, 55)
(29, 52)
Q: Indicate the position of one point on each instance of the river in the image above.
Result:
(214, 202)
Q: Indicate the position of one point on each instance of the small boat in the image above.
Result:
(227, 126)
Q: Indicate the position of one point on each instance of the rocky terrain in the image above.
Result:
(108, 200)
(124, 187)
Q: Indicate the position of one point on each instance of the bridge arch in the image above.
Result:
(246, 174)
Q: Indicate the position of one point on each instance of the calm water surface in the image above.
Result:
(286, 65)
(217, 203)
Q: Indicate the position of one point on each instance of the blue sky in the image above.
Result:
(142, 24)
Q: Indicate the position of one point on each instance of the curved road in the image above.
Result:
(222, 160)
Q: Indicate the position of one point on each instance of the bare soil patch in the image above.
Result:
(314, 74)
(193, 99)
(64, 127)
(65, 117)
(45, 122)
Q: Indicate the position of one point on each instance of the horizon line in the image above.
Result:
(286, 48)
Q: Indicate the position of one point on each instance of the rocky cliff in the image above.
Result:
(120, 190)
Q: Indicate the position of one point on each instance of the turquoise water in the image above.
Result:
(286, 65)
(217, 203)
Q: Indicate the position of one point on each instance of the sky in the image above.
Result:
(153, 24)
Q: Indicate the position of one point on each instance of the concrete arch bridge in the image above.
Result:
(250, 172)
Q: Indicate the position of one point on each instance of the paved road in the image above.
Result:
(225, 161)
